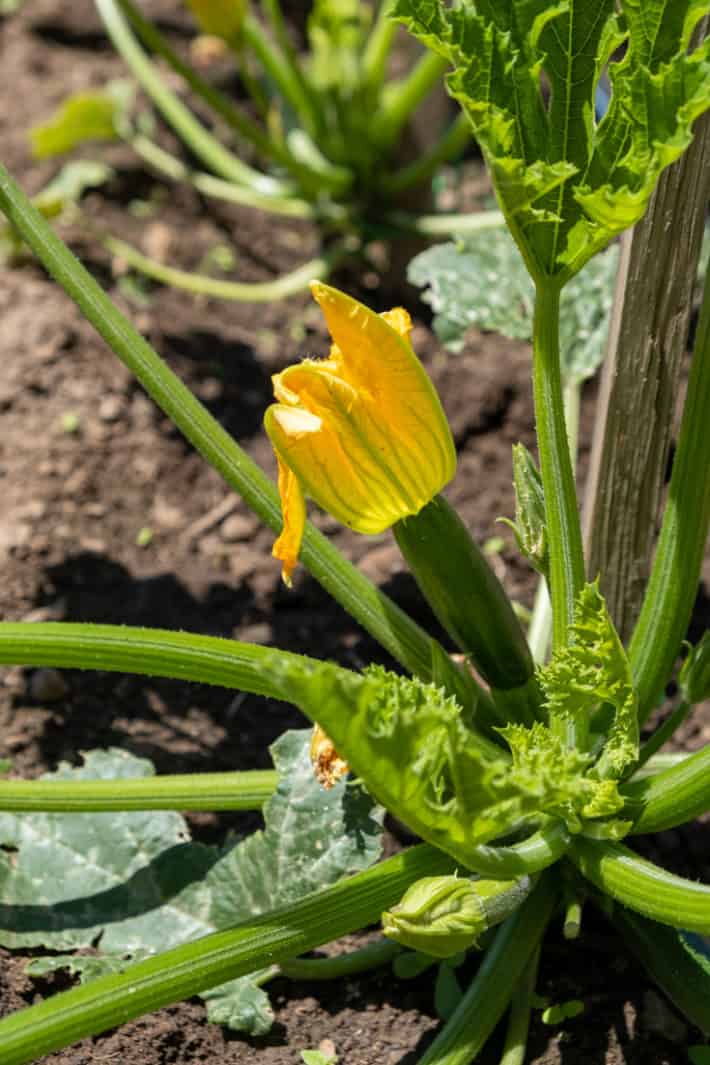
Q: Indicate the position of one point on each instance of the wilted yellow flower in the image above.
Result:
(220, 18)
(362, 432)
(329, 766)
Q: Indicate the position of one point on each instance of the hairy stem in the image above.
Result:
(643, 886)
(563, 528)
(190, 791)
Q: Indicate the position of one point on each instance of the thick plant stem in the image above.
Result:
(541, 620)
(643, 886)
(404, 639)
(669, 798)
(483, 1005)
(671, 591)
(107, 1001)
(459, 584)
(563, 528)
(190, 791)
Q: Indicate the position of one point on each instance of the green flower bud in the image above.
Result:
(695, 674)
(442, 915)
(530, 525)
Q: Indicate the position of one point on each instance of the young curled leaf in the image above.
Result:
(593, 672)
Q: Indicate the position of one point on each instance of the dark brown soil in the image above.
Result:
(73, 504)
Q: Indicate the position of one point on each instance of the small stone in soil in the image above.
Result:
(111, 408)
(47, 686)
(237, 527)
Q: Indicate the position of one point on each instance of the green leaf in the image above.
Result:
(593, 671)
(408, 741)
(134, 884)
(482, 281)
(241, 1004)
(86, 116)
(527, 77)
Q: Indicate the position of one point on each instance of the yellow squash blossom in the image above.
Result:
(362, 432)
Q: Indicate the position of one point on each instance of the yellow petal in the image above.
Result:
(293, 509)
(402, 409)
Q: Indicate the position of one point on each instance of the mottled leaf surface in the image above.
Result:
(133, 884)
(482, 281)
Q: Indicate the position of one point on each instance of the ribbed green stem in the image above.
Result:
(205, 146)
(240, 291)
(372, 956)
(171, 167)
(402, 99)
(459, 584)
(281, 73)
(153, 39)
(149, 652)
(669, 961)
(465, 1034)
(382, 618)
(190, 791)
(378, 47)
(563, 527)
(662, 734)
(516, 1036)
(672, 587)
(643, 886)
(537, 852)
(451, 144)
(671, 797)
(540, 627)
(176, 974)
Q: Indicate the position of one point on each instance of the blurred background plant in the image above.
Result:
(327, 134)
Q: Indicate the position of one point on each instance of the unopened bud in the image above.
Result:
(530, 525)
(442, 915)
(695, 674)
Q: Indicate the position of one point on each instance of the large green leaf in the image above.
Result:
(482, 281)
(135, 885)
(526, 75)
